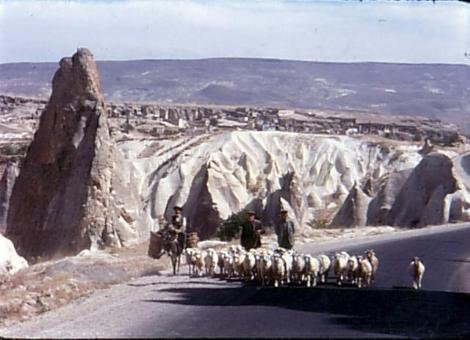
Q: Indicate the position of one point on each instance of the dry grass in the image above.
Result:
(48, 285)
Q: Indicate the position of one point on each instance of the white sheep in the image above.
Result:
(198, 259)
(365, 272)
(288, 258)
(353, 269)
(416, 269)
(340, 262)
(374, 261)
(229, 265)
(249, 265)
(278, 271)
(298, 268)
(189, 252)
(312, 269)
(221, 262)
(210, 261)
(264, 268)
(238, 260)
(325, 264)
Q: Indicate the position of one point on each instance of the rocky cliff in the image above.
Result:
(10, 171)
(434, 192)
(64, 199)
(215, 175)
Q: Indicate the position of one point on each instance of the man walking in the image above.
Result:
(251, 232)
(285, 231)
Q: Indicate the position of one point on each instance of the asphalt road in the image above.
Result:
(166, 306)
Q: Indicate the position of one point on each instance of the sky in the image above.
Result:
(334, 31)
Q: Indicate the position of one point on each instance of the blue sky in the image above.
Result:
(346, 31)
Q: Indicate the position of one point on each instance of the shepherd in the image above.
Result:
(178, 222)
(251, 232)
(285, 230)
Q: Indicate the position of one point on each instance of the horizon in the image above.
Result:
(237, 58)
(312, 31)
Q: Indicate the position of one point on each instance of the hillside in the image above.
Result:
(431, 90)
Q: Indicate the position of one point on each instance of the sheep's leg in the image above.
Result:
(314, 283)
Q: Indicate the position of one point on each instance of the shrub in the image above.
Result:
(230, 228)
(319, 223)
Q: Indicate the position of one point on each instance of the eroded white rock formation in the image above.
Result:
(7, 180)
(214, 176)
(10, 261)
(434, 192)
(70, 194)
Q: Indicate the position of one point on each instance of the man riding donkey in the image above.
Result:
(171, 239)
(178, 226)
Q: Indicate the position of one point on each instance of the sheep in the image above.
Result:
(353, 269)
(198, 259)
(189, 252)
(229, 265)
(238, 260)
(340, 261)
(374, 261)
(325, 264)
(264, 268)
(210, 261)
(416, 269)
(249, 265)
(365, 272)
(312, 269)
(278, 270)
(221, 262)
(287, 256)
(236, 249)
(298, 268)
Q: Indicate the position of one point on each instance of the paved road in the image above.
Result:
(165, 306)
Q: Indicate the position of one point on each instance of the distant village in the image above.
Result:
(164, 120)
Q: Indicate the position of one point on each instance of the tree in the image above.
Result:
(230, 228)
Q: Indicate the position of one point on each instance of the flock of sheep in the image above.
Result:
(281, 266)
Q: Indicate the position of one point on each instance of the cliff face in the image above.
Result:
(432, 193)
(10, 171)
(215, 176)
(61, 201)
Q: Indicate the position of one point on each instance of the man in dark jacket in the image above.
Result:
(285, 231)
(178, 222)
(251, 232)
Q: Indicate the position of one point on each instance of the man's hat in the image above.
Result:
(283, 211)
(250, 212)
(177, 207)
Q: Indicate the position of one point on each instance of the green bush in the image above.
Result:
(230, 228)
(319, 223)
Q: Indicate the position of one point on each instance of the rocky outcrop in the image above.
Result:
(215, 176)
(64, 199)
(421, 199)
(432, 193)
(10, 171)
(10, 261)
(353, 212)
(388, 187)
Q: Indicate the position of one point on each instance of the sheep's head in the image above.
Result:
(370, 253)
